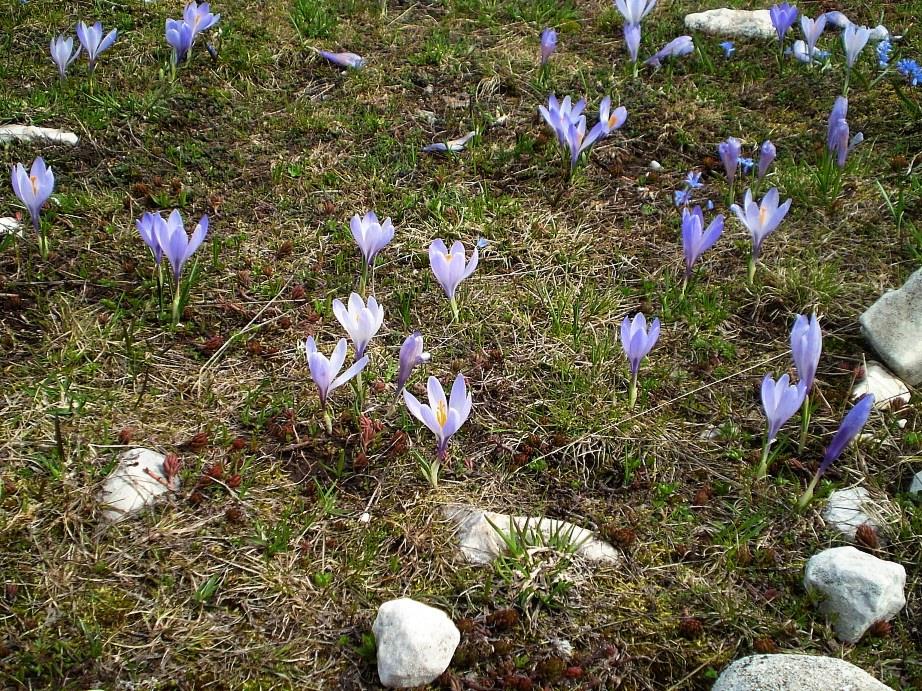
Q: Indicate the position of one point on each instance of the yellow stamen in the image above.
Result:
(763, 212)
(441, 413)
(34, 181)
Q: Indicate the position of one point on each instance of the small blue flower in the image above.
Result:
(682, 197)
(746, 164)
(883, 53)
(709, 205)
(693, 180)
(728, 47)
(820, 54)
(911, 70)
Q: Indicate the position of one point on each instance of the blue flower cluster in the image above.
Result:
(911, 70)
(883, 53)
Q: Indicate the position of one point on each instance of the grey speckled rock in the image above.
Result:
(893, 327)
(857, 589)
(415, 643)
(733, 23)
(795, 673)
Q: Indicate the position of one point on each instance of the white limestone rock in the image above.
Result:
(893, 327)
(10, 226)
(415, 643)
(857, 589)
(136, 482)
(886, 388)
(915, 487)
(848, 509)
(481, 542)
(733, 23)
(795, 673)
(28, 133)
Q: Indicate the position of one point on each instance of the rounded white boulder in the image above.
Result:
(789, 672)
(415, 643)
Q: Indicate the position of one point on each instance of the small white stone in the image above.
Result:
(893, 327)
(845, 510)
(562, 646)
(134, 484)
(795, 673)
(857, 589)
(365, 517)
(415, 643)
(10, 226)
(879, 33)
(915, 487)
(481, 542)
(727, 22)
(656, 165)
(27, 133)
(885, 387)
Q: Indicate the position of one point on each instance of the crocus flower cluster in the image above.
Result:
(637, 341)
(33, 189)
(633, 12)
(548, 44)
(761, 220)
(838, 142)
(94, 42)
(569, 124)
(181, 33)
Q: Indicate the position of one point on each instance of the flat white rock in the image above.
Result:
(131, 487)
(726, 22)
(10, 226)
(481, 542)
(857, 589)
(893, 327)
(28, 133)
(879, 381)
(415, 643)
(848, 509)
(795, 673)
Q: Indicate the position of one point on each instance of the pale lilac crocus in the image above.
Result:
(677, 47)
(838, 140)
(451, 267)
(854, 39)
(151, 227)
(761, 220)
(93, 41)
(442, 417)
(569, 124)
(780, 400)
(63, 53)
(633, 12)
(851, 425)
(199, 17)
(696, 240)
(548, 44)
(179, 36)
(637, 341)
(559, 115)
(767, 154)
(729, 152)
(783, 17)
(632, 40)
(812, 30)
(837, 19)
(360, 321)
(451, 146)
(33, 189)
(806, 348)
(325, 373)
(411, 355)
(344, 59)
(178, 249)
(371, 236)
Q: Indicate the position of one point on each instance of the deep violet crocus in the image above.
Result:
(451, 267)
(324, 373)
(345, 59)
(411, 355)
(93, 41)
(548, 44)
(442, 416)
(63, 53)
(696, 240)
(360, 321)
(806, 348)
(34, 189)
(178, 248)
(637, 341)
(851, 425)
(677, 47)
(767, 154)
(761, 220)
(783, 17)
(780, 400)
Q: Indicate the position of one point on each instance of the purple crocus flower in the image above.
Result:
(783, 17)
(33, 188)
(345, 59)
(411, 354)
(370, 235)
(199, 17)
(176, 245)
(151, 227)
(450, 267)
(93, 41)
(854, 38)
(780, 400)
(633, 12)
(632, 40)
(851, 425)
(63, 53)
(812, 30)
(766, 157)
(761, 220)
(837, 19)
(559, 115)
(361, 322)
(695, 239)
(452, 145)
(693, 180)
(548, 44)
(443, 417)
(637, 341)
(569, 124)
(179, 36)
(677, 47)
(729, 152)
(837, 132)
(806, 347)
(324, 372)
